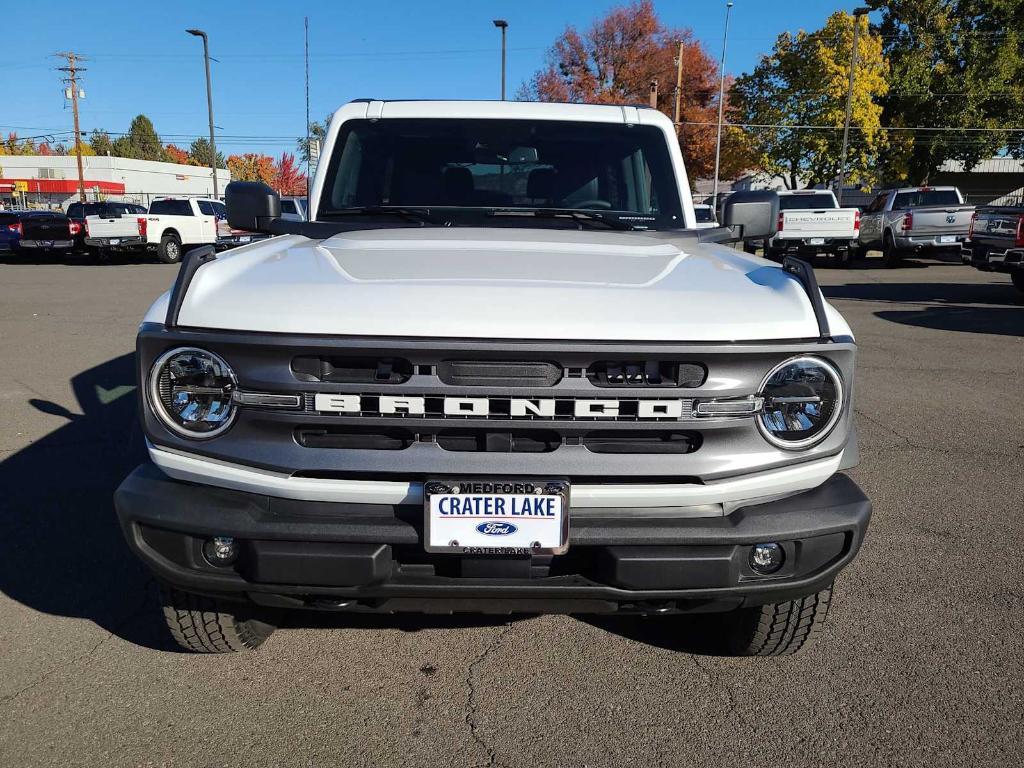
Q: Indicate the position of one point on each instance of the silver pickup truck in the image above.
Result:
(915, 219)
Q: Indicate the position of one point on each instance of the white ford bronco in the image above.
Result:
(501, 370)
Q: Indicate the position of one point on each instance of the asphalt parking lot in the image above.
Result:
(922, 662)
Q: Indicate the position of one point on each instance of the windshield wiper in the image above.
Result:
(420, 215)
(583, 217)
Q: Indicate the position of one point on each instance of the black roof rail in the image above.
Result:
(804, 272)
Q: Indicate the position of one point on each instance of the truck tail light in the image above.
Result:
(782, 219)
(142, 226)
(970, 229)
(74, 227)
(16, 228)
(908, 221)
(1019, 241)
(856, 221)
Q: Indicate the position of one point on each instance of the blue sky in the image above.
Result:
(141, 60)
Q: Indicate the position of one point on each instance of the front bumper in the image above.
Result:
(370, 557)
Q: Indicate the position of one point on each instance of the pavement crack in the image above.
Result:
(124, 622)
(471, 696)
(727, 690)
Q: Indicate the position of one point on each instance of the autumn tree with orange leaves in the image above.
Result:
(615, 61)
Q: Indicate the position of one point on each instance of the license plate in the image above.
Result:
(244, 239)
(114, 241)
(496, 517)
(46, 243)
(817, 241)
(947, 239)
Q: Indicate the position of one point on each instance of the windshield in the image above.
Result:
(920, 198)
(465, 167)
(806, 202)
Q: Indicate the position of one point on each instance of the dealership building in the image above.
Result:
(51, 181)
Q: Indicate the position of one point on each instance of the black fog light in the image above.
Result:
(766, 559)
(220, 551)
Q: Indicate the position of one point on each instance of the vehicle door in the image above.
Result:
(871, 220)
(208, 221)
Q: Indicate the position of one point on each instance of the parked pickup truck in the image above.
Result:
(996, 242)
(37, 232)
(105, 209)
(915, 220)
(500, 369)
(114, 230)
(811, 222)
(175, 224)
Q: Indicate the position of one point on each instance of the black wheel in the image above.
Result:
(169, 251)
(205, 625)
(771, 254)
(844, 259)
(778, 629)
(891, 255)
(1017, 277)
(749, 248)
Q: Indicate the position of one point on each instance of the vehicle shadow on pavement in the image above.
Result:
(61, 549)
(700, 634)
(1001, 313)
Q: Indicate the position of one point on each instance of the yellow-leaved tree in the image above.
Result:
(794, 104)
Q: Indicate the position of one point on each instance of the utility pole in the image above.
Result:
(503, 26)
(857, 13)
(309, 147)
(721, 104)
(654, 94)
(209, 104)
(72, 80)
(679, 87)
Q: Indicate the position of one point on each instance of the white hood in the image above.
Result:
(500, 283)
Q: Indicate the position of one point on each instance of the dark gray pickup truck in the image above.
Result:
(996, 242)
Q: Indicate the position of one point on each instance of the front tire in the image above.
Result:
(778, 629)
(205, 625)
(169, 251)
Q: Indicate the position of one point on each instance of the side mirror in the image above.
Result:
(252, 205)
(751, 215)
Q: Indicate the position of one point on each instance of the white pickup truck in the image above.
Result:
(499, 369)
(173, 225)
(811, 222)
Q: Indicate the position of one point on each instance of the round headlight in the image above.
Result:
(190, 391)
(803, 398)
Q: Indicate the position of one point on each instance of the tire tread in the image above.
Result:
(197, 624)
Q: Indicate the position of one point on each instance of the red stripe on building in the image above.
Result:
(68, 186)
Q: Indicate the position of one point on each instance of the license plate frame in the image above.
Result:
(817, 241)
(948, 239)
(532, 534)
(115, 241)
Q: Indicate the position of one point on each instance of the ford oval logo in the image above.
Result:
(492, 528)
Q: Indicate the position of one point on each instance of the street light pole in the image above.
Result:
(857, 13)
(209, 104)
(721, 104)
(503, 26)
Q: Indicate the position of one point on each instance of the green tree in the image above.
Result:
(317, 132)
(141, 142)
(100, 142)
(957, 66)
(199, 154)
(795, 103)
